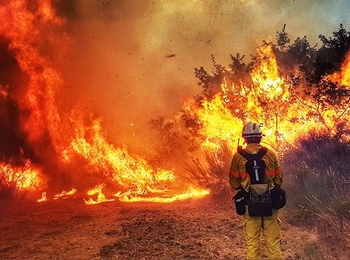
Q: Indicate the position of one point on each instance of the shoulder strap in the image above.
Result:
(259, 154)
(242, 152)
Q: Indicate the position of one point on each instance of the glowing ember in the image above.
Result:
(4, 92)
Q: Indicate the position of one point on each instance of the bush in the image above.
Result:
(317, 180)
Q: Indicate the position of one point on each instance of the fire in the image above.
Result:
(216, 121)
(97, 192)
(24, 177)
(76, 142)
(285, 118)
(20, 25)
(166, 198)
(65, 194)
(271, 87)
(43, 197)
(343, 76)
(134, 174)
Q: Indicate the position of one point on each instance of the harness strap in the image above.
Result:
(259, 154)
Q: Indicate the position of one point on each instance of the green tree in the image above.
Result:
(282, 39)
(332, 53)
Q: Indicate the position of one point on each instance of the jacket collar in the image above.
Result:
(253, 147)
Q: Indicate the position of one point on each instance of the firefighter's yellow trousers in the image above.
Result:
(269, 227)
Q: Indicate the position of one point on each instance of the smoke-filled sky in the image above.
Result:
(132, 60)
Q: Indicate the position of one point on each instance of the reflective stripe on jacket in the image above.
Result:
(239, 177)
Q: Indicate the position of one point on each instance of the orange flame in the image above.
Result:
(21, 26)
(97, 192)
(71, 137)
(24, 177)
(342, 77)
(270, 85)
(285, 119)
(65, 194)
(167, 197)
(43, 197)
(83, 143)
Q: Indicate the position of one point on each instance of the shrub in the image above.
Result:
(317, 180)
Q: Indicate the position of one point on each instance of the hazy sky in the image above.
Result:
(135, 59)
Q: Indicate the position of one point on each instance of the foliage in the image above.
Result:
(282, 38)
(332, 53)
(317, 176)
(299, 58)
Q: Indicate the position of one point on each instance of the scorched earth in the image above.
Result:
(69, 229)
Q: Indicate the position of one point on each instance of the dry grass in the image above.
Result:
(318, 183)
(211, 170)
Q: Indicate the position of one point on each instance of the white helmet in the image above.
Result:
(251, 130)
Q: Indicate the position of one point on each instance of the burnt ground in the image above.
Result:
(194, 229)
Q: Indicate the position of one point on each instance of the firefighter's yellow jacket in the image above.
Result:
(239, 177)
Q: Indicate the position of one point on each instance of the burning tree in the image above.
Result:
(295, 90)
(290, 85)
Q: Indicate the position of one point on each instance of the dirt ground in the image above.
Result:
(69, 229)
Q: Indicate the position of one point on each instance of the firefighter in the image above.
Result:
(256, 227)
